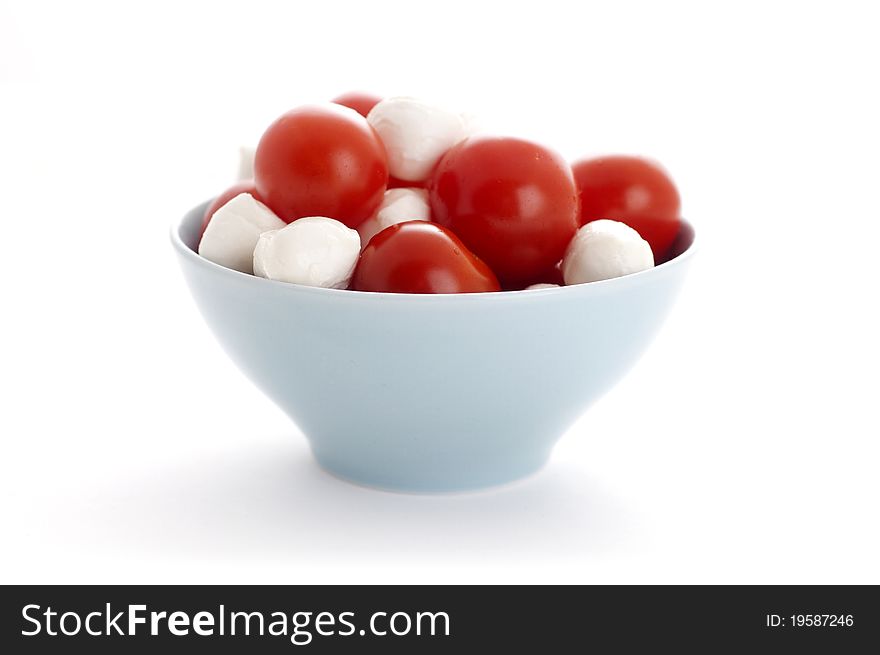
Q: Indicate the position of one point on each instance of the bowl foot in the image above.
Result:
(433, 479)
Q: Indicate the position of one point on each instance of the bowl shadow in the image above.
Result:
(273, 502)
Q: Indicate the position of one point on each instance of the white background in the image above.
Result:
(742, 448)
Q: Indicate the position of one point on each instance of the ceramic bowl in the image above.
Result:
(431, 392)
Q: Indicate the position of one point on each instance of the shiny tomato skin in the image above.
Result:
(245, 186)
(632, 190)
(512, 202)
(321, 160)
(361, 102)
(420, 257)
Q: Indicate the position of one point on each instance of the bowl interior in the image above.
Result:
(188, 233)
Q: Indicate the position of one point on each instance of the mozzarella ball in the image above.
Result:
(233, 231)
(415, 134)
(604, 249)
(313, 251)
(246, 162)
(542, 285)
(398, 206)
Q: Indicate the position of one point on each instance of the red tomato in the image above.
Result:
(321, 161)
(394, 183)
(420, 257)
(631, 190)
(553, 276)
(245, 186)
(512, 202)
(362, 103)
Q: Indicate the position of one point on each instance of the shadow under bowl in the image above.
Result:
(431, 393)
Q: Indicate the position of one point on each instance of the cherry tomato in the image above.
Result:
(394, 183)
(512, 202)
(420, 257)
(245, 186)
(321, 161)
(553, 276)
(361, 102)
(631, 190)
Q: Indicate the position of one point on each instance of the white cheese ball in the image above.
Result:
(313, 251)
(542, 285)
(604, 249)
(233, 231)
(246, 162)
(398, 206)
(416, 134)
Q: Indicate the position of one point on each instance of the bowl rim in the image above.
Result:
(601, 285)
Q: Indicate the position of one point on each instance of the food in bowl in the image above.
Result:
(398, 195)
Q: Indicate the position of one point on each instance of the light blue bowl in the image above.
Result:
(431, 392)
